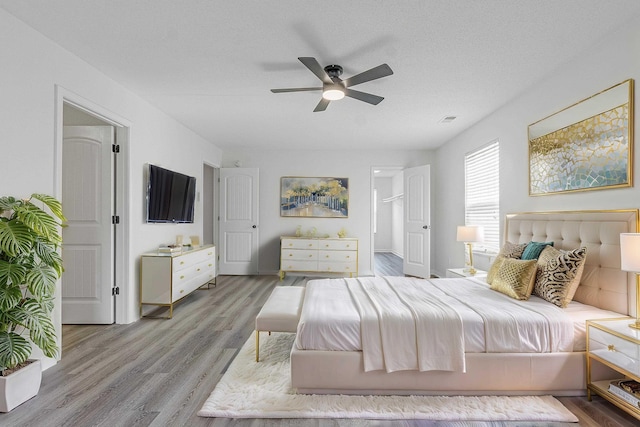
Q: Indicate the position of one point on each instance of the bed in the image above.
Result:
(331, 360)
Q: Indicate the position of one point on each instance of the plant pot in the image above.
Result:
(20, 386)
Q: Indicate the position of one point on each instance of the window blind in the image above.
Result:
(482, 193)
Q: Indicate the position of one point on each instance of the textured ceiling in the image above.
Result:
(210, 63)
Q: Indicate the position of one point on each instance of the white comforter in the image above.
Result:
(390, 319)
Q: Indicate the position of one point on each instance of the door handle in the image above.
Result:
(426, 227)
(254, 226)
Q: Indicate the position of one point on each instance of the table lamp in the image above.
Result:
(630, 261)
(470, 234)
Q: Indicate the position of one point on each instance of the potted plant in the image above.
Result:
(30, 265)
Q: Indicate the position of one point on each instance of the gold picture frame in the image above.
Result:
(586, 146)
(314, 197)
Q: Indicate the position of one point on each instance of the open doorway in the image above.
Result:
(388, 230)
(72, 109)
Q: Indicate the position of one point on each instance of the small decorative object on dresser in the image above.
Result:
(168, 277)
(318, 255)
(612, 343)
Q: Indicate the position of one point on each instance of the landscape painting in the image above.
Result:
(314, 197)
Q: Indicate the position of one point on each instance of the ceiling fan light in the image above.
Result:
(332, 94)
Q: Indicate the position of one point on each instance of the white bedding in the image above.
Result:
(557, 329)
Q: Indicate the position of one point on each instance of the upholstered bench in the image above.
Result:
(280, 313)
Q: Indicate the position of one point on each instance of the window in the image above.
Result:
(482, 193)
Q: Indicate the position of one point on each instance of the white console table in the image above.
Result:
(318, 255)
(166, 278)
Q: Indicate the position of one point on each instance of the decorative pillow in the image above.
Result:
(559, 274)
(533, 249)
(515, 278)
(509, 250)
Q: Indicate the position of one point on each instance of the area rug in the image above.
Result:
(263, 390)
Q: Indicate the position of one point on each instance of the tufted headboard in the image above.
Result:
(603, 284)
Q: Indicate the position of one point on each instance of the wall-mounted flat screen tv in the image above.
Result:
(170, 196)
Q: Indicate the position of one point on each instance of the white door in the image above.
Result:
(88, 239)
(417, 222)
(238, 221)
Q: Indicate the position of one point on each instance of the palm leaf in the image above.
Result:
(11, 273)
(39, 221)
(14, 349)
(49, 255)
(8, 203)
(10, 297)
(41, 280)
(15, 238)
(41, 329)
(52, 203)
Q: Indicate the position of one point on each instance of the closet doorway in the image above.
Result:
(401, 219)
(388, 230)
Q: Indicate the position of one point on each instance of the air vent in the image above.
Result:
(447, 119)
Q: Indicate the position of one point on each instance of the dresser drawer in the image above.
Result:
(299, 254)
(339, 244)
(183, 261)
(337, 267)
(615, 350)
(294, 265)
(299, 244)
(326, 255)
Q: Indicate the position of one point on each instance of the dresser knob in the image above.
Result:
(181, 290)
(611, 347)
(182, 277)
(290, 254)
(181, 262)
(198, 270)
(311, 256)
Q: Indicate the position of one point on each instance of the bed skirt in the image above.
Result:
(342, 372)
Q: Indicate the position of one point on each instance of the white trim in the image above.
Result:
(125, 301)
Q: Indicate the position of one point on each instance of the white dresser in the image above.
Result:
(166, 278)
(318, 255)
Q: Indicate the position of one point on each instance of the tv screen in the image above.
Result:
(170, 196)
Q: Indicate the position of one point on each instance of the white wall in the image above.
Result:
(607, 63)
(31, 69)
(355, 165)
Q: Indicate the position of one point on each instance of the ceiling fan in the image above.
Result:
(334, 88)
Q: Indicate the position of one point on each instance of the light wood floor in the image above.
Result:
(159, 372)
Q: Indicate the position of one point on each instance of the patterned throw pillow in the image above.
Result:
(559, 274)
(515, 278)
(534, 249)
(509, 250)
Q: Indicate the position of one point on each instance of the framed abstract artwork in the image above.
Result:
(314, 197)
(587, 146)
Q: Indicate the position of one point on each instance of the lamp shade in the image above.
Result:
(470, 233)
(630, 252)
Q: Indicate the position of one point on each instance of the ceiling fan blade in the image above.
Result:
(322, 105)
(363, 96)
(316, 69)
(295, 89)
(375, 73)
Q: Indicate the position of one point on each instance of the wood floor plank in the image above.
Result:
(159, 372)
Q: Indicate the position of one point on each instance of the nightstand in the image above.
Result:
(614, 344)
(463, 272)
